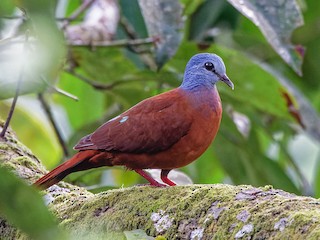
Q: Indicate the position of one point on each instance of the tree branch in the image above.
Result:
(98, 85)
(85, 5)
(116, 43)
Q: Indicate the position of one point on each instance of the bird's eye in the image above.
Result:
(209, 66)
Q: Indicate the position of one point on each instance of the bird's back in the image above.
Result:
(142, 128)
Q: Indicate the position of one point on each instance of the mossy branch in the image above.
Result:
(217, 211)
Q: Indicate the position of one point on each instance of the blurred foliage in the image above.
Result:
(23, 208)
(276, 20)
(163, 19)
(32, 54)
(260, 137)
(45, 138)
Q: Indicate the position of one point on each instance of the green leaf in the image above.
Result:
(23, 207)
(309, 36)
(245, 160)
(103, 65)
(317, 180)
(6, 8)
(163, 19)
(207, 168)
(204, 17)
(134, 16)
(253, 85)
(276, 20)
(90, 106)
(191, 6)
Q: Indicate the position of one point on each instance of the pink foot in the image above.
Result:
(165, 179)
(153, 182)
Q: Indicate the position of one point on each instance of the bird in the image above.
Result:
(166, 131)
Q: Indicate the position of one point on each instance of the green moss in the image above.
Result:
(15, 156)
(137, 205)
(9, 166)
(160, 238)
(267, 187)
(4, 146)
(25, 161)
(211, 208)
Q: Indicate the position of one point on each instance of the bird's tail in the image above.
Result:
(81, 161)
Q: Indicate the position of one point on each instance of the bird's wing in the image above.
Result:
(151, 126)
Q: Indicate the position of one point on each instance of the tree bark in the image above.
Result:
(217, 211)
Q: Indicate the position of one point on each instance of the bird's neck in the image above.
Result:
(204, 98)
(194, 82)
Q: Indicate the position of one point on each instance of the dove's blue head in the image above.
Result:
(204, 70)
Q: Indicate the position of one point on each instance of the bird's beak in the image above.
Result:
(224, 78)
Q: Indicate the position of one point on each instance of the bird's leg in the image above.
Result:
(145, 175)
(165, 179)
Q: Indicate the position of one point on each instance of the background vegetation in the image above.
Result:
(59, 51)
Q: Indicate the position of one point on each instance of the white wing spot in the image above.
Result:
(125, 118)
(114, 118)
